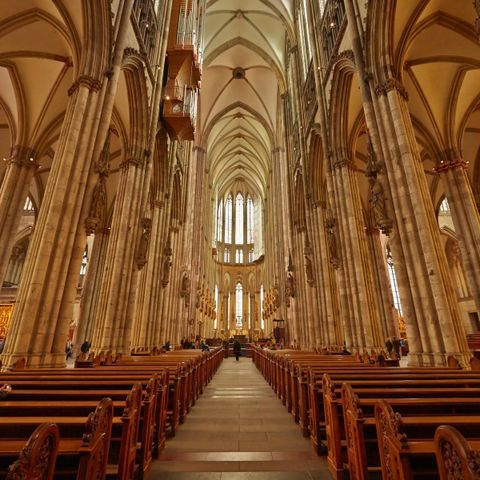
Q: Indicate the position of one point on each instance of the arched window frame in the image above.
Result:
(250, 220)
(228, 218)
(239, 219)
(220, 221)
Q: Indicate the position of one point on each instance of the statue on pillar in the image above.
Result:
(309, 270)
(289, 282)
(376, 194)
(167, 264)
(96, 213)
(141, 258)
(376, 200)
(185, 288)
(332, 242)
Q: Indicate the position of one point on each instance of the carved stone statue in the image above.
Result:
(96, 214)
(167, 265)
(185, 288)
(376, 200)
(98, 206)
(141, 258)
(309, 270)
(332, 242)
(289, 285)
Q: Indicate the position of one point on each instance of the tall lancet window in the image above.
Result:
(250, 221)
(228, 219)
(220, 221)
(239, 219)
(393, 281)
(239, 306)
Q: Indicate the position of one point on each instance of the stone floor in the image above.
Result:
(239, 430)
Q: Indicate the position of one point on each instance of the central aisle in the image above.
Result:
(239, 427)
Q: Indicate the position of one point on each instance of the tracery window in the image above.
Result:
(239, 255)
(28, 207)
(220, 221)
(393, 281)
(250, 220)
(444, 206)
(83, 267)
(237, 231)
(239, 219)
(228, 219)
(238, 305)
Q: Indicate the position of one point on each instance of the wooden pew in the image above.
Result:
(455, 456)
(425, 392)
(39, 455)
(82, 450)
(407, 446)
(70, 420)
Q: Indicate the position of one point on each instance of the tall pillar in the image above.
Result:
(13, 193)
(356, 262)
(465, 217)
(381, 285)
(46, 296)
(112, 322)
(91, 289)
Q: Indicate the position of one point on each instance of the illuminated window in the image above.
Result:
(250, 220)
(226, 255)
(83, 267)
(444, 206)
(251, 255)
(239, 256)
(28, 207)
(228, 219)
(393, 281)
(239, 219)
(220, 221)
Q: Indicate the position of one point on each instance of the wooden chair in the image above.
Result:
(38, 457)
(455, 457)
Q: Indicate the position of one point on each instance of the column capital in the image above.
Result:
(135, 156)
(93, 84)
(453, 160)
(199, 149)
(389, 85)
(22, 156)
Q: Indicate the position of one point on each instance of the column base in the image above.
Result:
(32, 360)
(437, 359)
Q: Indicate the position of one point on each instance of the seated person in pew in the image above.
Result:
(4, 391)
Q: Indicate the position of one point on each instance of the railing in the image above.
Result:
(332, 27)
(146, 26)
(185, 99)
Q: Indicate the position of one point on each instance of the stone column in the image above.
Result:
(357, 260)
(47, 293)
(13, 193)
(91, 289)
(465, 217)
(112, 322)
(435, 305)
(382, 285)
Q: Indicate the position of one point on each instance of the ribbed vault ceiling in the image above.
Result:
(242, 78)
